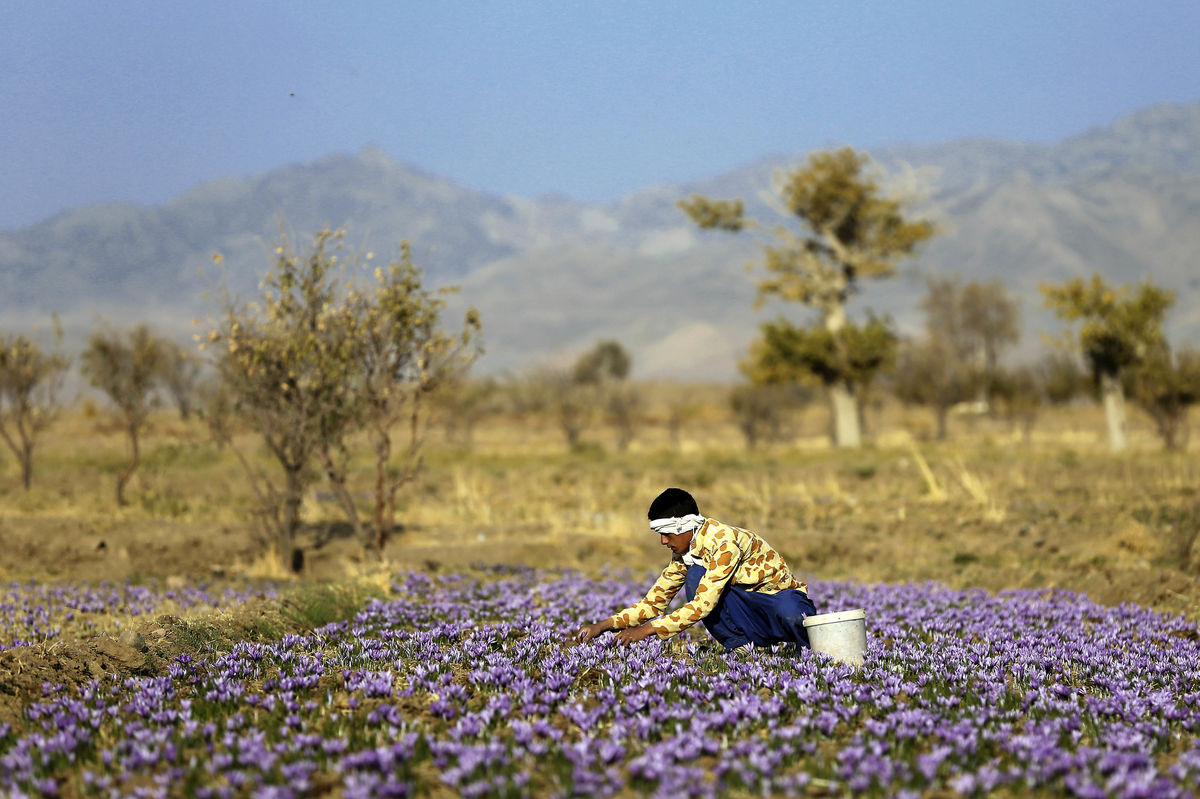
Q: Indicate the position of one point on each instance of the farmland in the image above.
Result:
(1032, 610)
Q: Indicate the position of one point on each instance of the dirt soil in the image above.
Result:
(145, 648)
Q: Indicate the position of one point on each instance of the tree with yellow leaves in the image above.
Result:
(404, 357)
(320, 357)
(850, 231)
(1119, 328)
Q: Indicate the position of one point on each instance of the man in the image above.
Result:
(737, 585)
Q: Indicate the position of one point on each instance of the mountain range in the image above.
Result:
(551, 275)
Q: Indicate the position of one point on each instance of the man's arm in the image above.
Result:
(655, 602)
(590, 631)
(657, 598)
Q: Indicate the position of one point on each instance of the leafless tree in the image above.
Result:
(29, 383)
(126, 366)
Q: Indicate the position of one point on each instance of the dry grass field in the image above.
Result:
(987, 508)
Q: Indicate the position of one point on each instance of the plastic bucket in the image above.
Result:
(842, 635)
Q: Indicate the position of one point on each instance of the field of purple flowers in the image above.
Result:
(464, 684)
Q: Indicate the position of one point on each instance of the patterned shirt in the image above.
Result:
(729, 555)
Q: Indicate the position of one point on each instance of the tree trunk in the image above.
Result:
(384, 515)
(1027, 427)
(750, 432)
(1114, 411)
(624, 437)
(846, 431)
(26, 431)
(293, 496)
(27, 465)
(1172, 425)
(123, 478)
(337, 479)
(10, 441)
(942, 412)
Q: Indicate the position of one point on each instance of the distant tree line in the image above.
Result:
(339, 357)
(846, 229)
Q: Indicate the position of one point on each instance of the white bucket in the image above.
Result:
(842, 635)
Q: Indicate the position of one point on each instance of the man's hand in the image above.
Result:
(590, 631)
(635, 634)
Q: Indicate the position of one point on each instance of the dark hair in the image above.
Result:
(673, 502)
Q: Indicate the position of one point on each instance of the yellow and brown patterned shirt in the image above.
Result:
(729, 555)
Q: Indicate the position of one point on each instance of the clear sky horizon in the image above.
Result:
(139, 101)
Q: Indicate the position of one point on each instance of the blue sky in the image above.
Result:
(138, 101)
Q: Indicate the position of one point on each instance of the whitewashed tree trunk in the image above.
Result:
(846, 432)
(1114, 411)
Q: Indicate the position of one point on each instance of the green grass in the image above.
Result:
(314, 605)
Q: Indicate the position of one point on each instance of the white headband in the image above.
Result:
(674, 525)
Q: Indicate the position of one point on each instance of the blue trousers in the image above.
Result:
(742, 616)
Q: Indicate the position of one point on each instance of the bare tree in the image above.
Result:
(126, 366)
(761, 410)
(1166, 385)
(680, 409)
(462, 403)
(29, 383)
(525, 395)
(570, 401)
(946, 322)
(1060, 377)
(975, 322)
(1017, 394)
(930, 373)
(180, 377)
(604, 371)
(1021, 392)
(575, 396)
(990, 316)
(624, 404)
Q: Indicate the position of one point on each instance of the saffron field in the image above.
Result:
(1032, 612)
(464, 684)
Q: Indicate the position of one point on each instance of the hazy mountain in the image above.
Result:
(551, 275)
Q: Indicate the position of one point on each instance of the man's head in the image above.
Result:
(675, 504)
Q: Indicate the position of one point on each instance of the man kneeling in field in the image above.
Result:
(736, 583)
